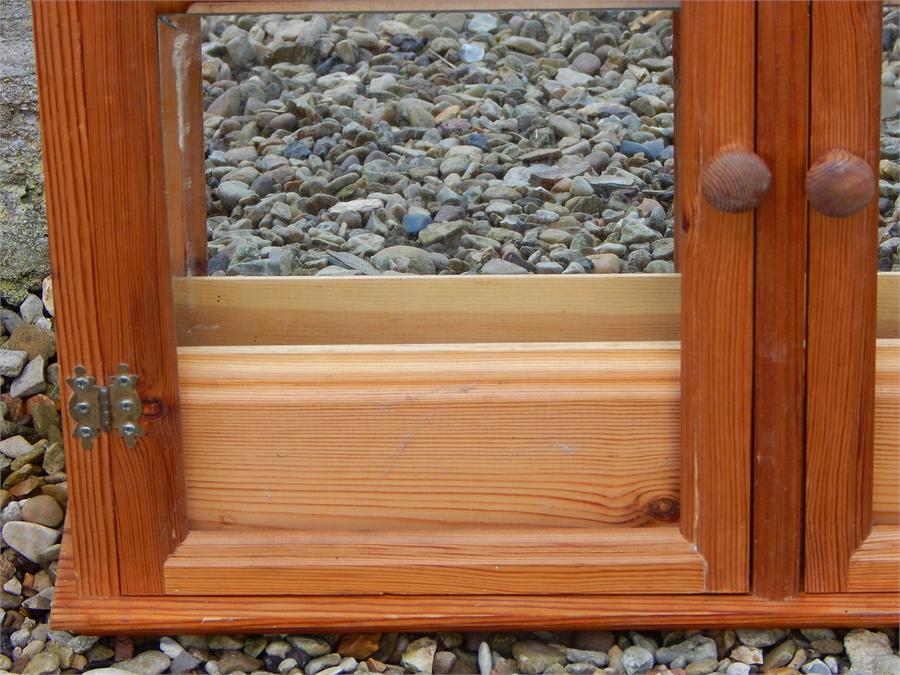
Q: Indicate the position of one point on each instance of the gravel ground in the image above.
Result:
(286, 212)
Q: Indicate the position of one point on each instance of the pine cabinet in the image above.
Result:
(714, 445)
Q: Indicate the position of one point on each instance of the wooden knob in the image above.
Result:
(839, 184)
(735, 180)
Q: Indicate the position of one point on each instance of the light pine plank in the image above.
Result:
(385, 310)
(886, 468)
(875, 566)
(430, 436)
(307, 311)
(845, 99)
(478, 561)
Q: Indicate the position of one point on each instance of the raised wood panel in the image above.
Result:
(888, 306)
(875, 566)
(782, 104)
(386, 310)
(473, 561)
(99, 95)
(886, 469)
(421, 437)
(716, 97)
(284, 613)
(844, 113)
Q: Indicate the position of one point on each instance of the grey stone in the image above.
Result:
(863, 646)
(29, 539)
(534, 657)
(587, 63)
(31, 309)
(404, 259)
(30, 381)
(44, 663)
(485, 659)
(12, 362)
(418, 657)
(500, 266)
(151, 662)
(596, 658)
(231, 192)
(693, 649)
(637, 660)
(761, 638)
(228, 103)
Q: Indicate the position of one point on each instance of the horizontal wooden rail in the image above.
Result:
(469, 561)
(403, 310)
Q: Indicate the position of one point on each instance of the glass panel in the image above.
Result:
(447, 143)
(451, 185)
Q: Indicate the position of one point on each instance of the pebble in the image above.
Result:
(864, 646)
(30, 381)
(12, 362)
(534, 657)
(637, 660)
(151, 662)
(29, 539)
(419, 655)
(43, 510)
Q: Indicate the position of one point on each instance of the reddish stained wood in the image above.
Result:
(782, 83)
(100, 104)
(715, 103)
(211, 614)
(182, 135)
(845, 103)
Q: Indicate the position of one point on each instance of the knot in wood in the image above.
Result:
(735, 180)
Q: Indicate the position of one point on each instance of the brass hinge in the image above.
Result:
(97, 409)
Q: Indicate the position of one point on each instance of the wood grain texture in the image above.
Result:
(181, 98)
(875, 566)
(782, 90)
(429, 437)
(110, 259)
(716, 110)
(403, 310)
(735, 181)
(472, 561)
(165, 615)
(886, 457)
(223, 311)
(845, 103)
(305, 6)
(887, 319)
(840, 184)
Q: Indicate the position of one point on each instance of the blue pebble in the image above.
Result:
(414, 223)
(297, 150)
(630, 148)
(478, 140)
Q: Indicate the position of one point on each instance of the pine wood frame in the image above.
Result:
(103, 176)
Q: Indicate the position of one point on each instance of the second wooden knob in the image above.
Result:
(735, 180)
(840, 184)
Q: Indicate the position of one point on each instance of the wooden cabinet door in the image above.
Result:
(853, 435)
(612, 439)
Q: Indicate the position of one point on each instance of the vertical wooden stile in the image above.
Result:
(715, 110)
(780, 318)
(182, 137)
(845, 90)
(100, 103)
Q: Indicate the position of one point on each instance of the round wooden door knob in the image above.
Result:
(839, 184)
(735, 180)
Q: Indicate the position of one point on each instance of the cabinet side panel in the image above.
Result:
(845, 102)
(100, 113)
(715, 110)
